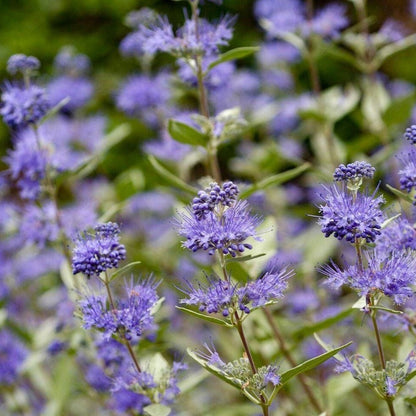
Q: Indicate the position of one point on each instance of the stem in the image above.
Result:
(359, 254)
(106, 282)
(245, 344)
(203, 101)
(282, 345)
(240, 330)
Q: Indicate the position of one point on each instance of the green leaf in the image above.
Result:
(399, 110)
(400, 194)
(303, 367)
(123, 269)
(318, 326)
(183, 133)
(410, 376)
(393, 48)
(157, 410)
(244, 258)
(205, 317)
(170, 177)
(236, 53)
(54, 110)
(275, 180)
(229, 380)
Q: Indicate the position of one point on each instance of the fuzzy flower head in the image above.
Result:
(70, 63)
(225, 297)
(393, 275)
(157, 35)
(408, 172)
(22, 63)
(94, 254)
(353, 173)
(131, 316)
(350, 217)
(226, 233)
(12, 355)
(23, 106)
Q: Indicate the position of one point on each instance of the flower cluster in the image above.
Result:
(408, 172)
(239, 371)
(128, 318)
(393, 275)
(208, 199)
(354, 170)
(226, 233)
(226, 297)
(12, 355)
(23, 105)
(386, 382)
(156, 34)
(350, 217)
(410, 134)
(22, 63)
(94, 254)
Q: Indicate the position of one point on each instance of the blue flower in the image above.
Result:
(408, 173)
(27, 166)
(391, 275)
(214, 196)
(353, 170)
(93, 254)
(12, 355)
(131, 316)
(68, 62)
(225, 297)
(226, 233)
(22, 63)
(22, 106)
(350, 217)
(410, 134)
(78, 90)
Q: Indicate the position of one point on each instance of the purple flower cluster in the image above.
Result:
(22, 106)
(408, 172)
(354, 170)
(94, 254)
(156, 34)
(12, 355)
(68, 62)
(27, 166)
(226, 297)
(131, 317)
(349, 217)
(213, 196)
(392, 275)
(143, 95)
(22, 63)
(226, 233)
(410, 134)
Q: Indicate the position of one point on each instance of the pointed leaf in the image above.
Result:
(305, 366)
(229, 380)
(318, 326)
(394, 48)
(184, 133)
(204, 317)
(275, 180)
(123, 269)
(170, 177)
(233, 54)
(400, 194)
(244, 258)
